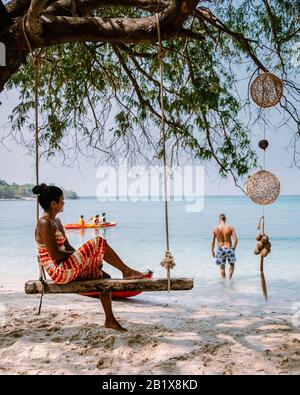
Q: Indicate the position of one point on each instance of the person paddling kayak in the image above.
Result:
(96, 220)
(81, 221)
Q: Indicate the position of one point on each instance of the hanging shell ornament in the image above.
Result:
(263, 245)
(263, 187)
(266, 90)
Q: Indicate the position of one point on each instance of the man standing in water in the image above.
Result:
(223, 233)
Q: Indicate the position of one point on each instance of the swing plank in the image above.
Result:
(116, 285)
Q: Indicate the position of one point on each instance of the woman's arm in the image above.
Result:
(67, 245)
(48, 236)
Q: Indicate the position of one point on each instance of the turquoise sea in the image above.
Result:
(140, 241)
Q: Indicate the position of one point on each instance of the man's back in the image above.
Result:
(223, 234)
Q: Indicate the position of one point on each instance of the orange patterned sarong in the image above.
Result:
(84, 264)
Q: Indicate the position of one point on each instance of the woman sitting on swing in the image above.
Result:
(65, 264)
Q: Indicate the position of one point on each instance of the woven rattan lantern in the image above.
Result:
(263, 187)
(266, 90)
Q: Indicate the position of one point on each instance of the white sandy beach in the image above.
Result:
(162, 338)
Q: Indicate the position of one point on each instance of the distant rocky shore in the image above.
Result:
(24, 192)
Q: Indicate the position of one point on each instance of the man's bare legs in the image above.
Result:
(113, 259)
(222, 271)
(110, 320)
(231, 270)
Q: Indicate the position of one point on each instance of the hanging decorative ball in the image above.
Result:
(258, 237)
(263, 144)
(268, 246)
(259, 245)
(263, 187)
(263, 246)
(264, 252)
(266, 90)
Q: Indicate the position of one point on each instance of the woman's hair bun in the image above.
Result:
(38, 189)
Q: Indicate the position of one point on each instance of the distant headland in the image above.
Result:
(24, 192)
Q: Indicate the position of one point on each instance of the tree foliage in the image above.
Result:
(102, 98)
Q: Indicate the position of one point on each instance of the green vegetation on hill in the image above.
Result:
(15, 191)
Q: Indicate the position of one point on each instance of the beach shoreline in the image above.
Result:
(69, 338)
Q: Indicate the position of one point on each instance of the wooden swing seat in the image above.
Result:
(113, 285)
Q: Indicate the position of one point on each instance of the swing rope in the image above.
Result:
(168, 262)
(37, 65)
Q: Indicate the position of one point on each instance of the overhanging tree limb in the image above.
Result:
(206, 15)
(46, 30)
(63, 7)
(37, 7)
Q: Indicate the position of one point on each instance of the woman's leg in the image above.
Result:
(110, 320)
(113, 259)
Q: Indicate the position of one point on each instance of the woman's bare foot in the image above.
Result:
(114, 325)
(133, 275)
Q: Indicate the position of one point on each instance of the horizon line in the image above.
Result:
(189, 196)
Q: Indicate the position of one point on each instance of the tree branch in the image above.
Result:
(274, 31)
(63, 7)
(17, 8)
(206, 15)
(137, 54)
(37, 7)
(46, 30)
(138, 91)
(190, 34)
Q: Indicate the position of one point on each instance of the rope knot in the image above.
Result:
(161, 53)
(168, 262)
